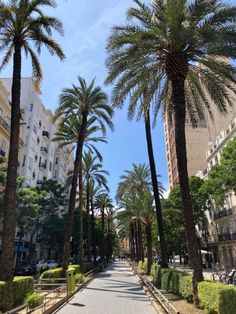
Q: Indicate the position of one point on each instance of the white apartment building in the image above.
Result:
(221, 221)
(40, 158)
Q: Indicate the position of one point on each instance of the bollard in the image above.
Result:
(70, 280)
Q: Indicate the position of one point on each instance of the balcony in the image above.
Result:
(46, 133)
(5, 125)
(44, 149)
(223, 213)
(225, 237)
(42, 165)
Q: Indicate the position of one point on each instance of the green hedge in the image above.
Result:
(145, 266)
(217, 297)
(52, 273)
(156, 274)
(88, 266)
(21, 287)
(13, 294)
(76, 267)
(33, 300)
(140, 264)
(185, 287)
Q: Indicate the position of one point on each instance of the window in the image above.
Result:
(23, 163)
(40, 123)
(30, 163)
(31, 107)
(45, 163)
(50, 166)
(4, 145)
(56, 161)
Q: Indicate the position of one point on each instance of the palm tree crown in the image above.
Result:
(22, 22)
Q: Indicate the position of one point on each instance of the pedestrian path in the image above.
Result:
(115, 291)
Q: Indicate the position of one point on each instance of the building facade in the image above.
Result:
(221, 220)
(197, 140)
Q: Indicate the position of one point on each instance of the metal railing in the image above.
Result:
(156, 293)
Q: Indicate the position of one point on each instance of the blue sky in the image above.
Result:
(87, 24)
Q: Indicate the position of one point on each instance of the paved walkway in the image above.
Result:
(115, 291)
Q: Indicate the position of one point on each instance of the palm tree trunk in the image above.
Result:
(72, 200)
(103, 234)
(93, 232)
(159, 217)
(9, 221)
(140, 240)
(148, 230)
(136, 242)
(81, 215)
(88, 221)
(178, 95)
(132, 250)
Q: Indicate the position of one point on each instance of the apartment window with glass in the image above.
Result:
(31, 107)
(30, 163)
(50, 166)
(23, 163)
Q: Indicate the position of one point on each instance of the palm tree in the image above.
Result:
(22, 22)
(180, 49)
(87, 103)
(92, 172)
(103, 202)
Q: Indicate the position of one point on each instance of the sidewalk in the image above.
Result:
(115, 291)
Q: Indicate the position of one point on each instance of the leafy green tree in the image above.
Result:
(174, 54)
(222, 177)
(85, 103)
(22, 22)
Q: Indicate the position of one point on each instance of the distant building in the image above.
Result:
(124, 246)
(221, 221)
(197, 140)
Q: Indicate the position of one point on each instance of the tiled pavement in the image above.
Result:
(115, 291)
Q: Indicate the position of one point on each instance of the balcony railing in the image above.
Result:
(227, 237)
(45, 133)
(223, 213)
(44, 149)
(5, 124)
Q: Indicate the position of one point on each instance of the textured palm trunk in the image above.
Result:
(148, 230)
(93, 233)
(140, 241)
(159, 218)
(81, 220)
(9, 221)
(132, 250)
(103, 234)
(136, 241)
(88, 221)
(73, 192)
(178, 96)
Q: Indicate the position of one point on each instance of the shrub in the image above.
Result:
(217, 297)
(140, 264)
(156, 274)
(52, 273)
(89, 266)
(21, 287)
(76, 267)
(145, 266)
(79, 277)
(33, 300)
(185, 287)
(13, 294)
(6, 296)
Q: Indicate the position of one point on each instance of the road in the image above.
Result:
(115, 291)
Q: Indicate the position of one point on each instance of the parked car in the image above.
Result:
(41, 266)
(26, 268)
(52, 264)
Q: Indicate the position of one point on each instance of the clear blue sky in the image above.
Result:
(87, 24)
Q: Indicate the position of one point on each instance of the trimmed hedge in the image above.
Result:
(88, 266)
(185, 287)
(140, 264)
(33, 300)
(156, 274)
(217, 297)
(76, 267)
(13, 294)
(52, 273)
(145, 266)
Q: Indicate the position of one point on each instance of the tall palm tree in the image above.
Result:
(179, 47)
(103, 202)
(92, 172)
(87, 102)
(22, 22)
